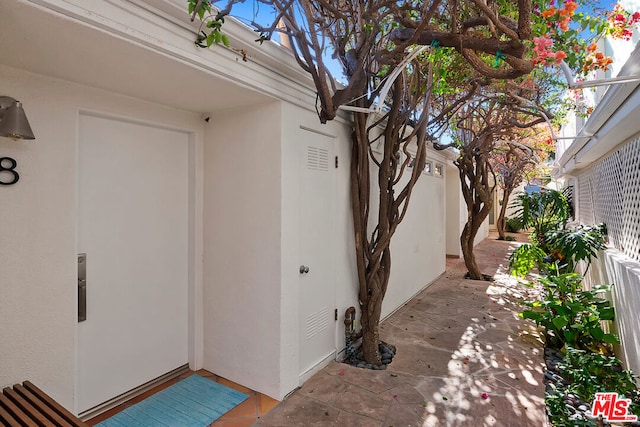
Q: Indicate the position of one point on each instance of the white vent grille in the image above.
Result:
(317, 159)
(317, 322)
(609, 192)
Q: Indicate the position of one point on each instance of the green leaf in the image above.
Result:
(569, 336)
(225, 40)
(597, 333)
(560, 322)
(210, 39)
(611, 339)
(524, 259)
(575, 307)
(607, 313)
(530, 314)
(561, 310)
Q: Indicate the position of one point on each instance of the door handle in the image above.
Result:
(82, 287)
(304, 269)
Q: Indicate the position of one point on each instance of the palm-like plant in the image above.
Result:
(577, 244)
(544, 211)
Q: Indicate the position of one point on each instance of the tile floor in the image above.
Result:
(243, 415)
(464, 359)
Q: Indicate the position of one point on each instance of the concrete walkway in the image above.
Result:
(463, 359)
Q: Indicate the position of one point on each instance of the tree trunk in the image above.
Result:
(373, 264)
(502, 220)
(373, 256)
(467, 239)
(371, 311)
(478, 196)
(478, 212)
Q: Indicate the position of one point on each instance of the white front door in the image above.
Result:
(133, 225)
(317, 251)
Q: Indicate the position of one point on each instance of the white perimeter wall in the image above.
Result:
(456, 212)
(613, 267)
(483, 232)
(38, 305)
(242, 246)
(418, 249)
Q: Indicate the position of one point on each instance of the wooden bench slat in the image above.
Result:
(40, 419)
(55, 406)
(7, 419)
(17, 413)
(41, 406)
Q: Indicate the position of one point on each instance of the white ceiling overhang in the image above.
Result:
(145, 49)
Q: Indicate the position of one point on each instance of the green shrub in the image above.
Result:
(544, 211)
(572, 316)
(525, 258)
(591, 373)
(587, 374)
(513, 225)
(565, 248)
(577, 244)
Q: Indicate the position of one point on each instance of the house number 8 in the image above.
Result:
(8, 167)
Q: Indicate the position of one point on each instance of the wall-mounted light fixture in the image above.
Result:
(13, 120)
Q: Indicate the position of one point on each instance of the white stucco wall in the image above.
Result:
(456, 214)
(247, 158)
(38, 306)
(418, 247)
(483, 232)
(242, 247)
(511, 208)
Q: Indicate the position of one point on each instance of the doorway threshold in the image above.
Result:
(245, 414)
(134, 393)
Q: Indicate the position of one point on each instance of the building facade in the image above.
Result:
(189, 188)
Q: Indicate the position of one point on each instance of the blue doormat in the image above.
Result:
(192, 402)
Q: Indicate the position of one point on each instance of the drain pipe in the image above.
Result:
(350, 321)
(352, 339)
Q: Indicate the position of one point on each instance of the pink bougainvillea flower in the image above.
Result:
(485, 395)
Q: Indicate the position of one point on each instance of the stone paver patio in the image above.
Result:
(457, 340)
